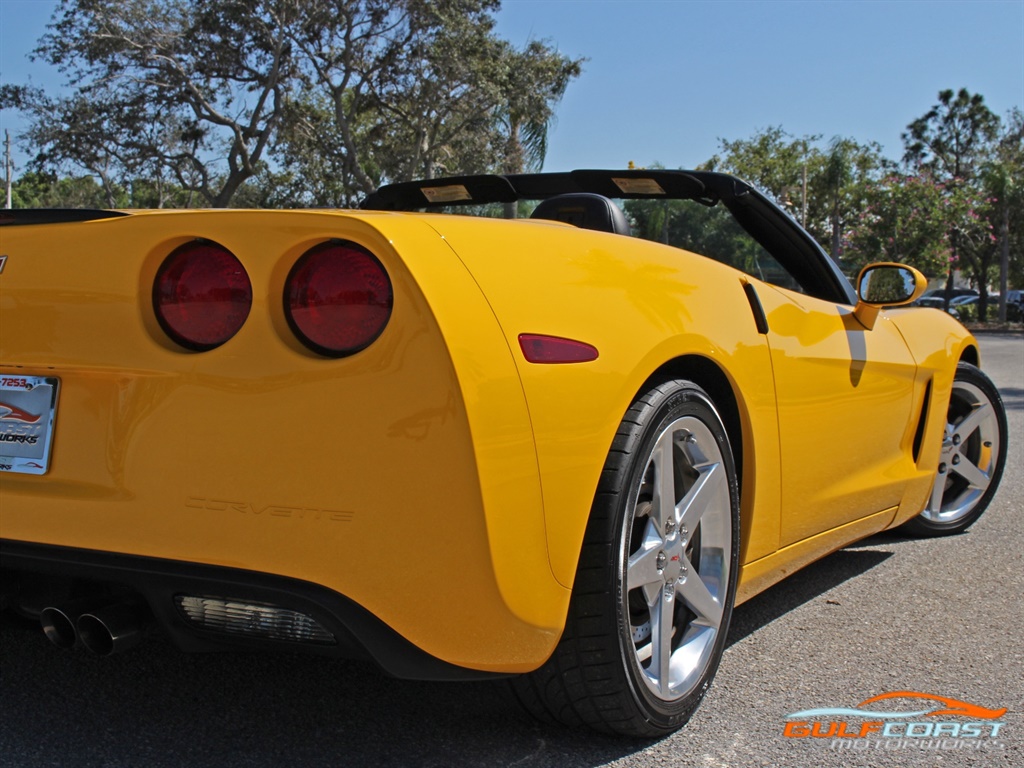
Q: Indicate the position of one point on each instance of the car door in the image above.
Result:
(845, 402)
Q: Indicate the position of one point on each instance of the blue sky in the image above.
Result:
(666, 79)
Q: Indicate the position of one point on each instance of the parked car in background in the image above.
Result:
(936, 298)
(953, 293)
(966, 307)
(1015, 305)
(956, 301)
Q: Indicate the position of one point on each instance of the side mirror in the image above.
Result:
(886, 285)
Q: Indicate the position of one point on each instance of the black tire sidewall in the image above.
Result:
(664, 405)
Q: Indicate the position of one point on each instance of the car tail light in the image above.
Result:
(202, 295)
(338, 298)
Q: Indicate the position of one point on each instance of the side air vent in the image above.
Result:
(919, 434)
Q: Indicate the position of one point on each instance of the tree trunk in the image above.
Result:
(949, 274)
(1004, 261)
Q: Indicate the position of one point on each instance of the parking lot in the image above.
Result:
(941, 616)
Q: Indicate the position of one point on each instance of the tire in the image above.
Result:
(972, 459)
(642, 558)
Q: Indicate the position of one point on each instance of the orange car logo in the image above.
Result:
(948, 706)
(13, 413)
(952, 706)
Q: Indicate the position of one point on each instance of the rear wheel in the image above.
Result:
(656, 578)
(972, 459)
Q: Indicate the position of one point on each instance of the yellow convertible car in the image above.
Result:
(518, 443)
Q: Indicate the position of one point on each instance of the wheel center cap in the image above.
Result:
(670, 562)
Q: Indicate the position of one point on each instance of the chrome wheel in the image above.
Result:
(656, 578)
(972, 458)
(679, 536)
(969, 450)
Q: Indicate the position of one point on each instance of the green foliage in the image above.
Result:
(326, 98)
(903, 220)
(40, 190)
(952, 142)
(772, 160)
(535, 81)
(1003, 180)
(822, 188)
(952, 138)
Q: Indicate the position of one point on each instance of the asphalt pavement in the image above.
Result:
(939, 616)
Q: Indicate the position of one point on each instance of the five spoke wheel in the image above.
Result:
(680, 554)
(656, 577)
(972, 458)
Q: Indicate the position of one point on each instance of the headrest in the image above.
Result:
(585, 210)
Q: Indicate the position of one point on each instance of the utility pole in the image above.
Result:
(8, 166)
(803, 193)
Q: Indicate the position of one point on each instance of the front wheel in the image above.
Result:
(972, 459)
(656, 579)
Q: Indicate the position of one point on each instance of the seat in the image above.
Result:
(585, 210)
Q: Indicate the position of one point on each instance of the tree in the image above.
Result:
(903, 220)
(773, 161)
(951, 138)
(39, 190)
(848, 171)
(415, 89)
(74, 133)
(213, 73)
(328, 97)
(1002, 178)
(535, 81)
(369, 63)
(823, 190)
(952, 141)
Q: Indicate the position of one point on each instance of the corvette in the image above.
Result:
(519, 443)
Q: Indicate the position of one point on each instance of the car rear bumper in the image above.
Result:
(36, 576)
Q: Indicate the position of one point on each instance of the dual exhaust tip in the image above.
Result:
(103, 630)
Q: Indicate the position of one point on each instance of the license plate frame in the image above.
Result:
(28, 415)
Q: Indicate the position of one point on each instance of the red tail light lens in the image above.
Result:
(538, 348)
(202, 295)
(338, 298)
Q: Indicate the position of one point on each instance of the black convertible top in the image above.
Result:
(768, 224)
(703, 186)
(13, 217)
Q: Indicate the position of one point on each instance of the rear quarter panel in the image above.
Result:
(643, 305)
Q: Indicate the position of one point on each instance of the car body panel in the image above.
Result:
(642, 308)
(834, 377)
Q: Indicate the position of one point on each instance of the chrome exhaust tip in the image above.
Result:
(112, 629)
(58, 625)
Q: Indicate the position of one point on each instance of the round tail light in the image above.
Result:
(338, 298)
(202, 295)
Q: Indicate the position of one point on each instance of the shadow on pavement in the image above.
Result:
(802, 587)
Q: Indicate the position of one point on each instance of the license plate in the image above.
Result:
(28, 408)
